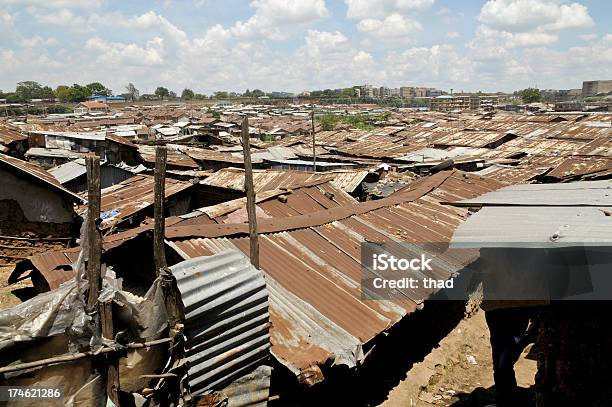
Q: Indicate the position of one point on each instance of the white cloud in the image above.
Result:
(62, 17)
(493, 38)
(362, 9)
(452, 34)
(528, 15)
(272, 15)
(321, 42)
(587, 37)
(395, 25)
(119, 54)
(151, 19)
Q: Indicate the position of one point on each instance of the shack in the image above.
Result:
(36, 212)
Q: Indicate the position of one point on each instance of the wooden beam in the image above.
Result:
(112, 359)
(250, 194)
(94, 248)
(159, 250)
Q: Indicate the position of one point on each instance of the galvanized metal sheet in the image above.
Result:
(227, 321)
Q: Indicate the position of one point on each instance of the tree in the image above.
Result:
(29, 90)
(62, 92)
(257, 93)
(247, 93)
(79, 93)
(172, 94)
(530, 95)
(187, 94)
(97, 89)
(131, 92)
(221, 95)
(162, 92)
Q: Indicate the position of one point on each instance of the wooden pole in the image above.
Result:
(93, 233)
(112, 359)
(250, 194)
(159, 251)
(314, 151)
(105, 310)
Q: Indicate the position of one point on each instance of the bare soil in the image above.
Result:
(459, 371)
(7, 298)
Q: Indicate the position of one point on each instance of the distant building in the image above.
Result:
(592, 88)
(394, 92)
(91, 106)
(448, 103)
(384, 92)
(107, 99)
(406, 92)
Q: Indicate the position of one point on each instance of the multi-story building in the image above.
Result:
(406, 92)
(384, 92)
(592, 88)
(394, 92)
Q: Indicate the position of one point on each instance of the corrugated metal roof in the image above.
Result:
(39, 174)
(174, 157)
(227, 322)
(132, 196)
(8, 136)
(511, 174)
(69, 171)
(266, 180)
(586, 193)
(497, 226)
(575, 167)
(312, 262)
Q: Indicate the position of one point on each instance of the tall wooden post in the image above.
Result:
(159, 251)
(105, 310)
(250, 194)
(314, 151)
(92, 162)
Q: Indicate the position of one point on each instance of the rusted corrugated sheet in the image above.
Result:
(132, 196)
(575, 167)
(227, 324)
(513, 175)
(38, 173)
(264, 180)
(8, 136)
(312, 265)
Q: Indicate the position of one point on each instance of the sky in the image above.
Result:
(297, 45)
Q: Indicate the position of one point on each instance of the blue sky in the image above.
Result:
(296, 45)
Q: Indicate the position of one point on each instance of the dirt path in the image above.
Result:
(458, 372)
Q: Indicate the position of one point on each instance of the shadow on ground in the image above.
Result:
(407, 343)
(480, 397)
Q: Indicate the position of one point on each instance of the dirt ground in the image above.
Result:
(7, 298)
(459, 371)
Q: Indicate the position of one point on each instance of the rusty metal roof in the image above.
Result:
(8, 135)
(266, 180)
(312, 264)
(513, 174)
(277, 203)
(174, 157)
(123, 200)
(39, 174)
(575, 167)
